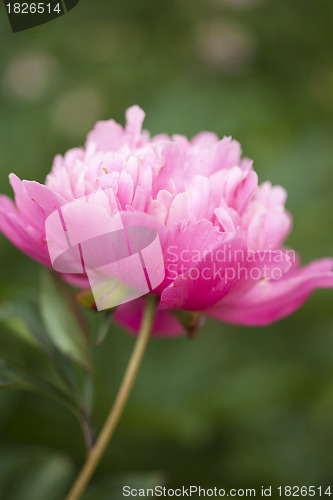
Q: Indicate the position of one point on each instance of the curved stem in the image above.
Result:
(110, 425)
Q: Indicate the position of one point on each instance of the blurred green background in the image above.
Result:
(237, 407)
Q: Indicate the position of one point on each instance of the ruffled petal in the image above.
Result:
(272, 300)
(215, 276)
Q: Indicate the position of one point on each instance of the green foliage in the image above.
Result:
(32, 473)
(63, 321)
(65, 350)
(16, 377)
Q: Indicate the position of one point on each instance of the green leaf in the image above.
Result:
(17, 326)
(104, 327)
(16, 377)
(23, 320)
(63, 321)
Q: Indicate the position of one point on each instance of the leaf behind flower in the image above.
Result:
(63, 321)
(16, 377)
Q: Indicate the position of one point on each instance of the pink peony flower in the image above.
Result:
(221, 233)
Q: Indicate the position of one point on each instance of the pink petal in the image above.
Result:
(130, 315)
(185, 245)
(106, 136)
(134, 120)
(246, 190)
(21, 234)
(27, 205)
(139, 200)
(226, 154)
(204, 139)
(271, 300)
(227, 218)
(171, 167)
(35, 201)
(228, 264)
(125, 189)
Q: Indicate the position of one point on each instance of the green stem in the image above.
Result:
(86, 429)
(110, 425)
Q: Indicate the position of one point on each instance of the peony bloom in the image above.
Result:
(221, 233)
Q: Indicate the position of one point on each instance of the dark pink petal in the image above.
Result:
(228, 265)
(185, 245)
(129, 315)
(271, 300)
